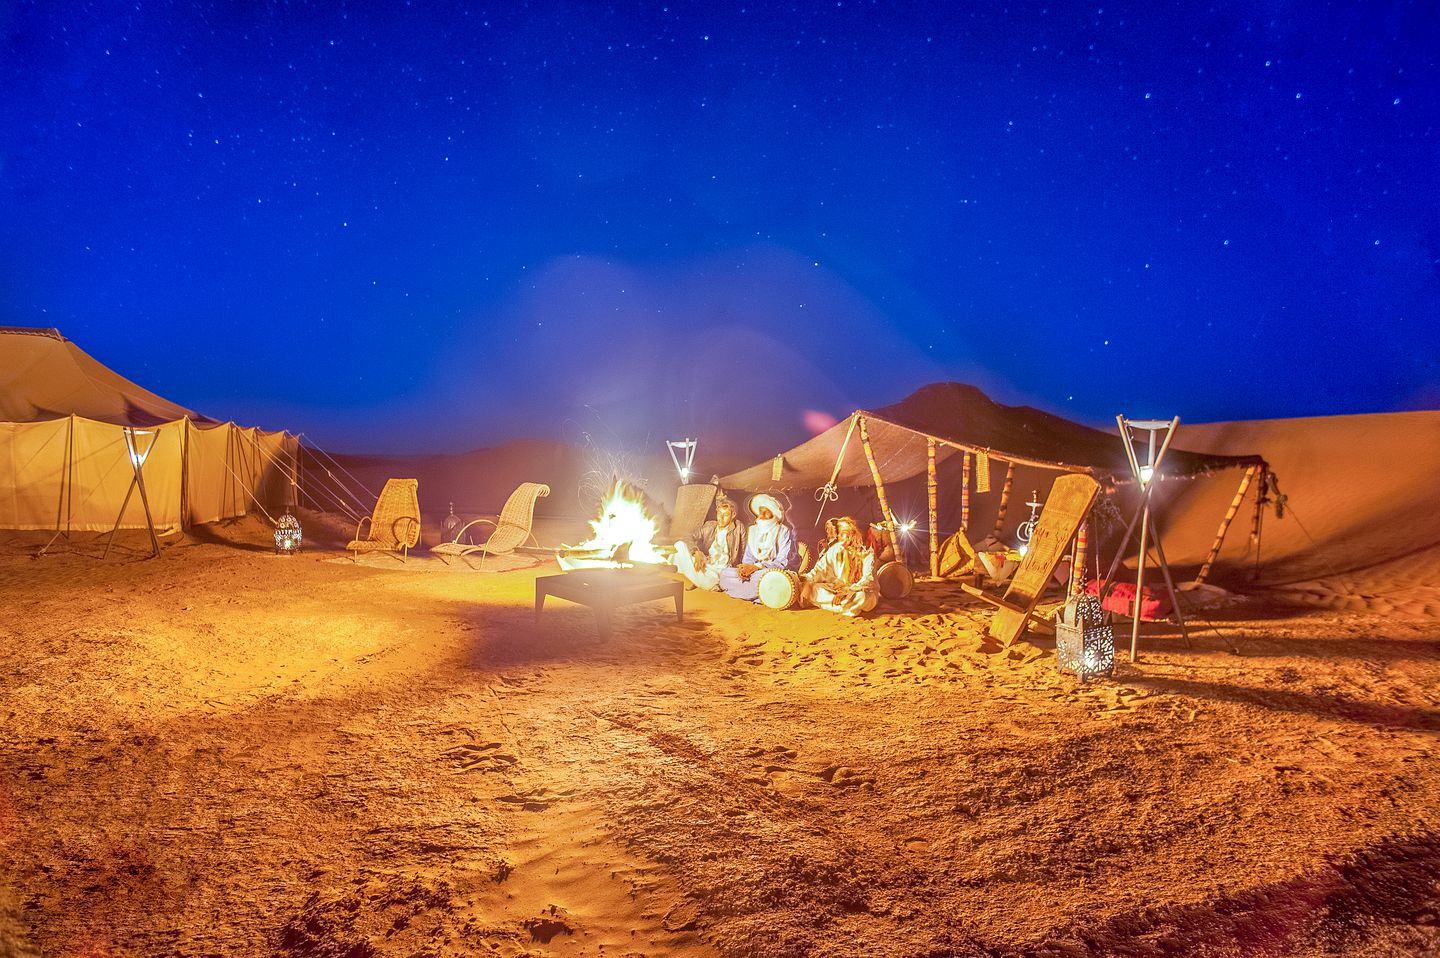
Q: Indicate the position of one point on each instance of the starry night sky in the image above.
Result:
(430, 226)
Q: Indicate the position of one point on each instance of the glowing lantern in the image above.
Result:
(1084, 643)
(682, 453)
(287, 535)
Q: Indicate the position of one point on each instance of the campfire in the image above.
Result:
(622, 537)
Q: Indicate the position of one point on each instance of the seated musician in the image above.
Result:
(770, 543)
(843, 579)
(719, 544)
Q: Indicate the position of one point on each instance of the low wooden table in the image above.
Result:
(605, 590)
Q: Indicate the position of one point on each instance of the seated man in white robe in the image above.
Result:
(843, 579)
(770, 543)
(719, 544)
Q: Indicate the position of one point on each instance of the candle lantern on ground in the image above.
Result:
(1084, 642)
(287, 535)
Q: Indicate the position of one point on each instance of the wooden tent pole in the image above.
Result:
(879, 488)
(1230, 513)
(185, 473)
(932, 487)
(1082, 549)
(1004, 498)
(965, 494)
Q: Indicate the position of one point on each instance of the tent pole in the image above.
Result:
(1139, 580)
(185, 474)
(879, 489)
(65, 506)
(1004, 498)
(144, 499)
(931, 487)
(1230, 513)
(965, 494)
(1082, 548)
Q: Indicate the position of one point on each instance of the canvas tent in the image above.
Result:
(67, 427)
(960, 441)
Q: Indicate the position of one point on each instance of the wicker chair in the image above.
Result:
(395, 524)
(692, 507)
(512, 529)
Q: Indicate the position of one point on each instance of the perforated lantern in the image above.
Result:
(1084, 642)
(287, 535)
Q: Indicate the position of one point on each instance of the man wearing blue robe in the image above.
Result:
(769, 544)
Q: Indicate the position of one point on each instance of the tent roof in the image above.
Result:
(44, 376)
(962, 418)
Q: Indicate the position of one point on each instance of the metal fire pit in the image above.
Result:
(605, 590)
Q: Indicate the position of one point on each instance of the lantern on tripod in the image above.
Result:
(682, 453)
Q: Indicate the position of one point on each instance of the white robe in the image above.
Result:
(825, 585)
(707, 578)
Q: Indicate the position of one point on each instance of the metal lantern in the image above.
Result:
(1084, 642)
(287, 535)
(452, 522)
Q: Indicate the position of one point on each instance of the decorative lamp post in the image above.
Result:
(682, 453)
(287, 535)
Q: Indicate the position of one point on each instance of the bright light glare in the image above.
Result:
(1146, 474)
(1024, 548)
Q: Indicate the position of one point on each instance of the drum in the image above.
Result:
(895, 580)
(779, 588)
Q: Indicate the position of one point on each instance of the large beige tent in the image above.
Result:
(67, 427)
(939, 451)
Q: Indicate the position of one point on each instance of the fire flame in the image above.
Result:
(623, 522)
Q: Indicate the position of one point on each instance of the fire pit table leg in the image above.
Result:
(540, 594)
(602, 620)
(679, 602)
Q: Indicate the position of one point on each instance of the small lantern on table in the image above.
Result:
(287, 535)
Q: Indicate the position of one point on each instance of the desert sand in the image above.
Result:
(225, 752)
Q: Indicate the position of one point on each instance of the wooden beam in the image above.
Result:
(888, 516)
(1230, 513)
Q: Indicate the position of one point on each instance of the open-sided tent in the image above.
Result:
(68, 425)
(948, 421)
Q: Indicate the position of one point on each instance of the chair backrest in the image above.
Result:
(1065, 508)
(513, 526)
(396, 520)
(692, 507)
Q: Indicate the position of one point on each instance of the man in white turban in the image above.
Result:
(718, 545)
(769, 544)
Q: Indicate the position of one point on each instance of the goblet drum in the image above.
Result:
(895, 580)
(780, 588)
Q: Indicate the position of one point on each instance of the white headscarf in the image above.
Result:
(765, 533)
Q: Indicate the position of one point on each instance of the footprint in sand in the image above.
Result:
(472, 757)
(843, 776)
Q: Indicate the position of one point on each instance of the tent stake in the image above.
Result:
(931, 487)
(879, 489)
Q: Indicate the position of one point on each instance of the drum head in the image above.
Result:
(895, 580)
(779, 588)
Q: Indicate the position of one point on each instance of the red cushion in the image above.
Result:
(1121, 600)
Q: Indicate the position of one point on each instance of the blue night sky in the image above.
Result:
(430, 226)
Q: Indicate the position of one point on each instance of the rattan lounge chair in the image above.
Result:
(692, 507)
(1069, 501)
(395, 524)
(512, 528)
